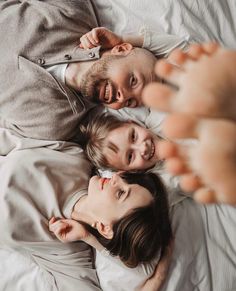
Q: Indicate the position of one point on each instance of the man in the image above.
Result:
(40, 93)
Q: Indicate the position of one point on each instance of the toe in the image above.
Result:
(210, 48)
(167, 149)
(157, 96)
(178, 57)
(176, 166)
(190, 182)
(205, 195)
(169, 72)
(195, 52)
(180, 126)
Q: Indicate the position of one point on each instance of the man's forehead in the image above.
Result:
(117, 65)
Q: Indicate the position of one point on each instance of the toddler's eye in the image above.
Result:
(133, 135)
(130, 156)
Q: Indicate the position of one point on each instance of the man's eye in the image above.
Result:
(128, 103)
(120, 193)
(133, 81)
(131, 103)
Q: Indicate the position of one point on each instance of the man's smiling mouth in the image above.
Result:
(106, 92)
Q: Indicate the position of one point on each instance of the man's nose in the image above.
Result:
(121, 96)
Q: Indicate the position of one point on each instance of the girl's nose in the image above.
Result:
(143, 149)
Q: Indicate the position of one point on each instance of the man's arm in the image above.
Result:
(101, 36)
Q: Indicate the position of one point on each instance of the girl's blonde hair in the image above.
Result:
(94, 135)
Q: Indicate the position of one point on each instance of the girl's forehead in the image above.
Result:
(126, 125)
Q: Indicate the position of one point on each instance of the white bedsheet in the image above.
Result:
(196, 20)
(16, 271)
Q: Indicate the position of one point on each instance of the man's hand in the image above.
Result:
(68, 230)
(100, 36)
(154, 283)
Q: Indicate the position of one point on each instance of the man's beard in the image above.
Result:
(96, 75)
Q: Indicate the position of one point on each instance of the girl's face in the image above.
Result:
(112, 198)
(131, 147)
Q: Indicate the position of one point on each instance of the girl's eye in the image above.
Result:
(120, 193)
(133, 135)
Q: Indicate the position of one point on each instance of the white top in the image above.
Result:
(58, 71)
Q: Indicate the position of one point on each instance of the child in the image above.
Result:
(110, 142)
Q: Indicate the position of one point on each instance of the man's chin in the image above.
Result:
(114, 106)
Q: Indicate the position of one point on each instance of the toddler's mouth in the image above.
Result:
(152, 150)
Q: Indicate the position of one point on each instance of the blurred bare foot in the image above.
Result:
(204, 83)
(202, 103)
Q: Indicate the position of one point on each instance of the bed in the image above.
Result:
(204, 257)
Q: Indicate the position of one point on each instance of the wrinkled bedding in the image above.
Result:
(204, 256)
(196, 20)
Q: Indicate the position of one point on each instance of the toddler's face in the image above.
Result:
(131, 147)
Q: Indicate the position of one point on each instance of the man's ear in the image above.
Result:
(122, 49)
(105, 230)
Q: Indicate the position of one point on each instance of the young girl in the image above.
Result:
(127, 214)
(110, 142)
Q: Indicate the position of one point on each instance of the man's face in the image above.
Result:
(118, 81)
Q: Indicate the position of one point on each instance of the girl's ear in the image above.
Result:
(105, 230)
(122, 49)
